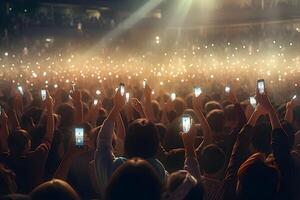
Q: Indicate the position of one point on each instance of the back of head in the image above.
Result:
(18, 142)
(216, 120)
(67, 115)
(257, 180)
(183, 185)
(179, 105)
(212, 105)
(141, 140)
(212, 159)
(135, 179)
(155, 108)
(261, 139)
(54, 189)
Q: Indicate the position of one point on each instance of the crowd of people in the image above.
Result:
(241, 142)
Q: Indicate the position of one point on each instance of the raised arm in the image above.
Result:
(207, 132)
(148, 104)
(4, 132)
(136, 104)
(50, 119)
(104, 156)
(191, 163)
(66, 163)
(289, 111)
(281, 149)
(120, 133)
(239, 153)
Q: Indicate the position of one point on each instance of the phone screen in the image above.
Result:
(261, 86)
(253, 102)
(186, 123)
(21, 90)
(122, 89)
(43, 95)
(95, 102)
(79, 137)
(197, 92)
(127, 97)
(173, 97)
(227, 89)
(294, 97)
(144, 83)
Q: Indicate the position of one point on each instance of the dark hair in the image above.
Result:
(17, 142)
(212, 159)
(216, 120)
(176, 179)
(141, 140)
(155, 108)
(67, 115)
(162, 131)
(261, 139)
(230, 113)
(135, 179)
(179, 105)
(54, 189)
(174, 160)
(212, 105)
(257, 180)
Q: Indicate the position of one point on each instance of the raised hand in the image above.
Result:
(147, 92)
(136, 104)
(264, 101)
(119, 101)
(232, 96)
(189, 141)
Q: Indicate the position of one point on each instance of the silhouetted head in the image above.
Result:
(19, 142)
(183, 185)
(135, 179)
(216, 120)
(142, 139)
(212, 159)
(257, 180)
(54, 189)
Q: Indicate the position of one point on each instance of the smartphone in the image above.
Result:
(197, 91)
(95, 102)
(186, 123)
(122, 89)
(227, 89)
(173, 96)
(79, 137)
(98, 92)
(294, 97)
(21, 90)
(144, 83)
(43, 94)
(127, 95)
(261, 86)
(55, 86)
(253, 102)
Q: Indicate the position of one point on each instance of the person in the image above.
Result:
(28, 165)
(135, 179)
(141, 140)
(186, 184)
(253, 178)
(54, 189)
